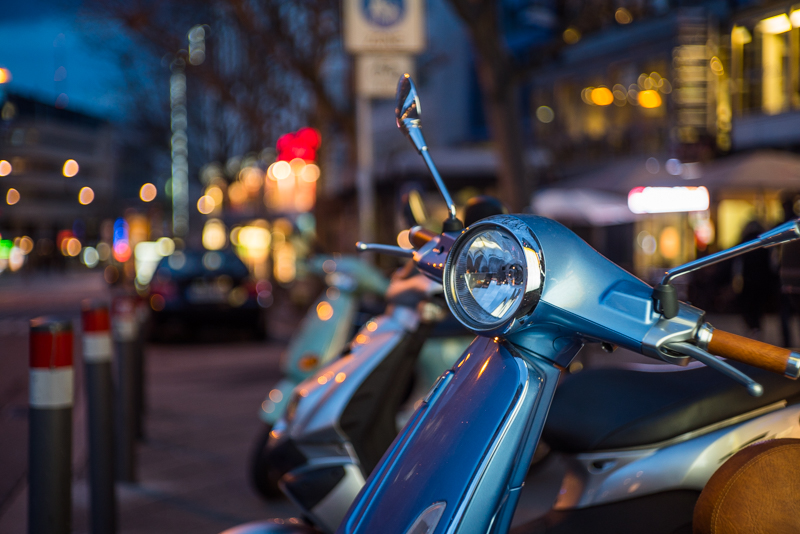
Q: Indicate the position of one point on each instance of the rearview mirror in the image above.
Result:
(407, 112)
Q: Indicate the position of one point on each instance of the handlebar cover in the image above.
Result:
(419, 236)
(755, 353)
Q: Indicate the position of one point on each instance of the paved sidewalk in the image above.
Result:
(200, 424)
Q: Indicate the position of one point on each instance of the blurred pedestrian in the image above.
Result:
(756, 279)
(789, 272)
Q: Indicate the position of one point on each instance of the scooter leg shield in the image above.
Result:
(448, 450)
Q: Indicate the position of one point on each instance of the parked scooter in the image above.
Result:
(393, 362)
(340, 421)
(535, 294)
(323, 335)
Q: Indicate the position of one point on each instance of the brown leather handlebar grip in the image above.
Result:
(755, 353)
(419, 236)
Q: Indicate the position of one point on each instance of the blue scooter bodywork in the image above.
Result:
(459, 438)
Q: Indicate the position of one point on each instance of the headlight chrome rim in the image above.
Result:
(510, 227)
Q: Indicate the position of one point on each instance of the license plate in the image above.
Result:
(202, 293)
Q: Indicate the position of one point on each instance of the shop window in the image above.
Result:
(765, 64)
(734, 214)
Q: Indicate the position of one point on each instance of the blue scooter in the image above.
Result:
(534, 293)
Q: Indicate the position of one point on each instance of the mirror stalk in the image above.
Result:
(407, 114)
(451, 206)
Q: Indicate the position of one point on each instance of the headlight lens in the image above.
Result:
(491, 277)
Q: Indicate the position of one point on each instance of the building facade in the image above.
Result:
(57, 171)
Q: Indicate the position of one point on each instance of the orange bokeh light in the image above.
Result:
(148, 192)
(71, 168)
(324, 311)
(649, 99)
(86, 195)
(602, 96)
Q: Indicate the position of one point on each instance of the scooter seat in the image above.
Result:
(602, 409)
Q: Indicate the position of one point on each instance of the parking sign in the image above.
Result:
(384, 26)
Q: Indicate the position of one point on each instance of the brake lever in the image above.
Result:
(385, 249)
(753, 388)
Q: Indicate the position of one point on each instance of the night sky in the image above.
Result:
(32, 49)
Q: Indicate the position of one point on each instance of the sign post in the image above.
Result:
(383, 34)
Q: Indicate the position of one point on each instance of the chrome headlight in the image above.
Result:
(494, 275)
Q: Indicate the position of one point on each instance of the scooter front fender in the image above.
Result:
(321, 337)
(468, 445)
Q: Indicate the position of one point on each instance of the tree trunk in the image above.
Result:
(502, 107)
(499, 86)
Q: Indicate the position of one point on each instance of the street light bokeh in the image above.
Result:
(148, 192)
(70, 168)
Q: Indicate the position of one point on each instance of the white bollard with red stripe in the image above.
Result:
(98, 351)
(50, 426)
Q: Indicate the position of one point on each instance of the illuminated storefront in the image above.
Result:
(765, 62)
(765, 77)
(656, 87)
(672, 216)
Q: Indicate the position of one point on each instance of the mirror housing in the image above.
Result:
(407, 112)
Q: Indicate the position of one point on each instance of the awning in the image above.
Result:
(766, 169)
(583, 206)
(600, 198)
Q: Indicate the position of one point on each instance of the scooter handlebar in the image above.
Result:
(755, 353)
(419, 236)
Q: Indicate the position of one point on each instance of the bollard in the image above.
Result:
(50, 427)
(97, 355)
(125, 333)
(142, 322)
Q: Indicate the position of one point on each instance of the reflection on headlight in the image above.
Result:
(490, 276)
(495, 275)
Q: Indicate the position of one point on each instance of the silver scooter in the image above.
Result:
(340, 421)
(322, 336)
(427, 341)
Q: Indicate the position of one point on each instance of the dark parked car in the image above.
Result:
(194, 289)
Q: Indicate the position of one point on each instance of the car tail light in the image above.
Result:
(168, 290)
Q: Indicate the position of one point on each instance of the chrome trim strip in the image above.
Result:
(793, 366)
(699, 432)
(704, 335)
(525, 380)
